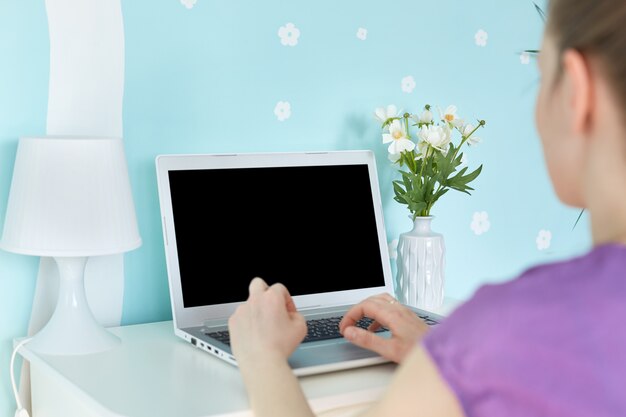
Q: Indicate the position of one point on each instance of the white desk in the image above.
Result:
(155, 374)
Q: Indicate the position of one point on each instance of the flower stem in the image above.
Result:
(424, 162)
(464, 139)
(406, 125)
(456, 151)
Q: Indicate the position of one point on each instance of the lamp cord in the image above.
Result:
(20, 412)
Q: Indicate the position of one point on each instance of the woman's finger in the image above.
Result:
(284, 293)
(370, 341)
(257, 286)
(376, 309)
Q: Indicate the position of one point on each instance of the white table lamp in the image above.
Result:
(70, 199)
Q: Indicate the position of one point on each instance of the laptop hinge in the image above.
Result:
(215, 322)
(304, 308)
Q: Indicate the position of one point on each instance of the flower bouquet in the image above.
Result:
(431, 164)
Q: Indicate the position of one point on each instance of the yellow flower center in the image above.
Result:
(449, 117)
(397, 135)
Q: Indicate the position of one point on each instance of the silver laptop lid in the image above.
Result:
(312, 221)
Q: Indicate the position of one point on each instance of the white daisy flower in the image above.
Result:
(361, 34)
(438, 137)
(399, 142)
(422, 147)
(289, 34)
(425, 117)
(451, 117)
(472, 140)
(382, 115)
(394, 157)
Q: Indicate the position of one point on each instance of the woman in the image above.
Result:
(549, 343)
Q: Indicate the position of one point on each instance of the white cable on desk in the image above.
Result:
(21, 411)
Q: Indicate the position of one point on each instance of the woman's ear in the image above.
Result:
(579, 90)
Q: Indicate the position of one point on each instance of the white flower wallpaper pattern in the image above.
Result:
(289, 34)
(544, 239)
(480, 223)
(524, 58)
(361, 33)
(481, 38)
(408, 84)
(282, 110)
(188, 3)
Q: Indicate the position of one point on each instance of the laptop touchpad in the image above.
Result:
(330, 353)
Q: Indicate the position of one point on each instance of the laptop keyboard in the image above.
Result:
(320, 329)
(328, 328)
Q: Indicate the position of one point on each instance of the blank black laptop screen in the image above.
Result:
(311, 228)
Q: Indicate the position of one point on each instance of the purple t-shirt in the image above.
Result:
(552, 342)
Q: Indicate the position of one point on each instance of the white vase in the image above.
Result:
(420, 275)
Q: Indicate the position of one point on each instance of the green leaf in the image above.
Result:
(459, 182)
(578, 219)
(388, 122)
(400, 200)
(458, 175)
(429, 189)
(416, 207)
(406, 180)
(540, 11)
(473, 175)
(449, 163)
(440, 193)
(397, 188)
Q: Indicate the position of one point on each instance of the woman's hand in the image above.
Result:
(406, 328)
(264, 332)
(266, 325)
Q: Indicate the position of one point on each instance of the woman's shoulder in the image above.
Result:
(557, 324)
(546, 296)
(599, 273)
(603, 268)
(606, 261)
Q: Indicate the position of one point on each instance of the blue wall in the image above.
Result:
(207, 79)
(23, 104)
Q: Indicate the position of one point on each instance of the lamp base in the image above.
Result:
(72, 329)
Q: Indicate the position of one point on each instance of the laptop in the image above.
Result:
(310, 220)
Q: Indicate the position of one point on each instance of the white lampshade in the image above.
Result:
(70, 196)
(70, 199)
